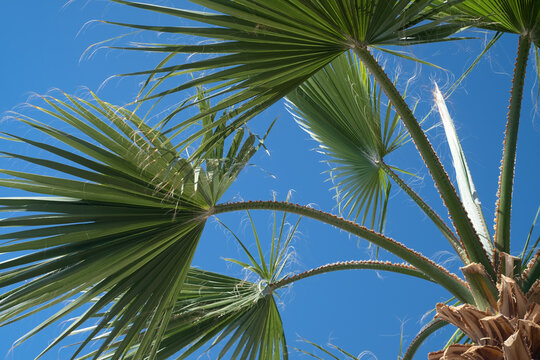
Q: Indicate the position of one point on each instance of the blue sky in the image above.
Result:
(44, 44)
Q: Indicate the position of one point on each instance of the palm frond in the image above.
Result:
(240, 315)
(341, 108)
(496, 37)
(526, 256)
(216, 309)
(122, 221)
(261, 52)
(512, 16)
(520, 17)
(422, 335)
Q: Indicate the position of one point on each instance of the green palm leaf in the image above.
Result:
(270, 271)
(520, 17)
(121, 222)
(265, 51)
(513, 16)
(341, 108)
(239, 314)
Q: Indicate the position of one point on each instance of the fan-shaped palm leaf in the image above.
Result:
(341, 108)
(238, 313)
(124, 226)
(271, 48)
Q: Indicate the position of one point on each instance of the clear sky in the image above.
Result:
(43, 48)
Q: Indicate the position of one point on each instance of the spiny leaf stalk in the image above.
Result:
(462, 223)
(506, 179)
(439, 274)
(352, 265)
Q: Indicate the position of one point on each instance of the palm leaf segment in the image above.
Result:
(340, 107)
(124, 226)
(514, 16)
(270, 49)
(330, 355)
(520, 17)
(237, 313)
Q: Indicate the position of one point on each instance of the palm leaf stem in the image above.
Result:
(351, 265)
(525, 257)
(462, 223)
(448, 234)
(426, 331)
(438, 273)
(506, 179)
(532, 273)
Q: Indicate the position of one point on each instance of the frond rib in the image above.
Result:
(439, 274)
(352, 265)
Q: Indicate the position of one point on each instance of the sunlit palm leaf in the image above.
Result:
(271, 48)
(341, 108)
(123, 222)
(467, 190)
(520, 17)
(235, 313)
(223, 165)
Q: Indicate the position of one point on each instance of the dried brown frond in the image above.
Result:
(511, 333)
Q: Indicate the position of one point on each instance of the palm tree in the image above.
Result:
(122, 217)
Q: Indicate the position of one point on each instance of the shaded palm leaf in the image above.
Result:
(268, 50)
(124, 226)
(240, 314)
(341, 108)
(514, 16)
